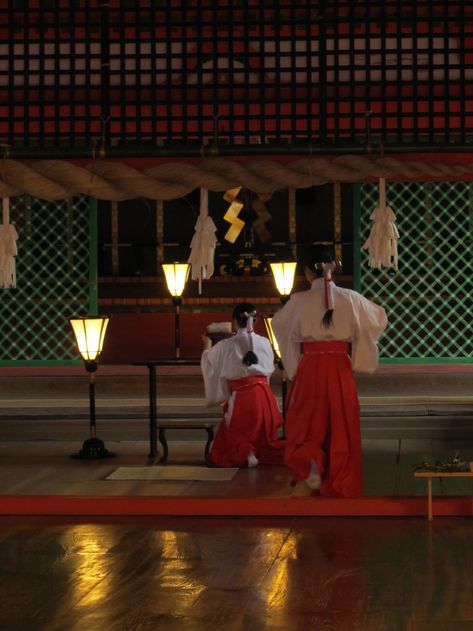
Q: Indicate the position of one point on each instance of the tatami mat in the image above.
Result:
(199, 474)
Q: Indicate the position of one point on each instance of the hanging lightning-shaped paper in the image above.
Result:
(263, 215)
(232, 214)
(382, 242)
(8, 250)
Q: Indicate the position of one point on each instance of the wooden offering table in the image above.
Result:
(154, 424)
(429, 475)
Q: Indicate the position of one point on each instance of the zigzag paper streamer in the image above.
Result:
(263, 215)
(232, 215)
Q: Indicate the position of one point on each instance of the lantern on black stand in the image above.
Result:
(284, 278)
(277, 354)
(176, 277)
(90, 335)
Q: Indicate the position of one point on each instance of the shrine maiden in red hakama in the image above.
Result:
(322, 412)
(247, 435)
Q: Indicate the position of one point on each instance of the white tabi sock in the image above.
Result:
(252, 460)
(314, 480)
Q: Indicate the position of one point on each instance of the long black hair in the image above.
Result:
(312, 257)
(241, 313)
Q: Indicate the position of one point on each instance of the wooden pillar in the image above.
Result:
(292, 227)
(337, 220)
(114, 222)
(159, 233)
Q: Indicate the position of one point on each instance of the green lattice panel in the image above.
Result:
(55, 279)
(429, 301)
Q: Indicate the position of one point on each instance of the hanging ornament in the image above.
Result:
(263, 215)
(203, 243)
(232, 214)
(382, 242)
(8, 249)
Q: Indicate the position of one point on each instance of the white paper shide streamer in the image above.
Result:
(203, 243)
(8, 249)
(382, 242)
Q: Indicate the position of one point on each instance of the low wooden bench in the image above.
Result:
(429, 475)
(185, 422)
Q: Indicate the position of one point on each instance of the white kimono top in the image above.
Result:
(223, 362)
(356, 320)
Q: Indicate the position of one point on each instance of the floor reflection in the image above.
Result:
(236, 574)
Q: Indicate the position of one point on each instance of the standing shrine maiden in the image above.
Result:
(315, 329)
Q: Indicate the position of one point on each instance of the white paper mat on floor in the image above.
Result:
(167, 472)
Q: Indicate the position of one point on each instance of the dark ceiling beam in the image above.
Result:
(196, 151)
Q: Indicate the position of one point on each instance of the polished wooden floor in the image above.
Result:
(43, 467)
(406, 418)
(228, 574)
(172, 574)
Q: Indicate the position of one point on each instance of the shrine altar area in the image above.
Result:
(133, 337)
(409, 414)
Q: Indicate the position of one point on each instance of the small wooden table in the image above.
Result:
(429, 475)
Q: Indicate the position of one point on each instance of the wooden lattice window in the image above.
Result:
(429, 300)
(56, 279)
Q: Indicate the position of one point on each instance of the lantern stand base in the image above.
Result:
(92, 449)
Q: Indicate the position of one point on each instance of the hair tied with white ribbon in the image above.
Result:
(327, 269)
(250, 320)
(250, 358)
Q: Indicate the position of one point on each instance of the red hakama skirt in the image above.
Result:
(323, 420)
(252, 428)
